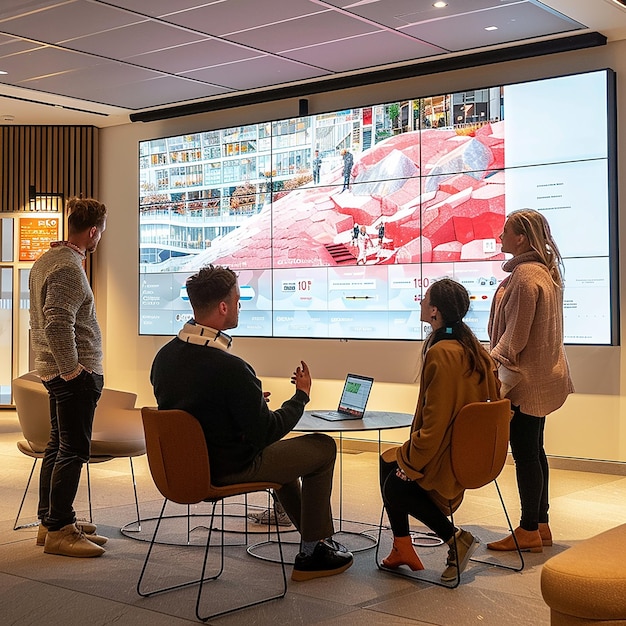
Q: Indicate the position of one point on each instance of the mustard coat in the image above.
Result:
(445, 388)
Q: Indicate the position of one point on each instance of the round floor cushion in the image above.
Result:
(588, 580)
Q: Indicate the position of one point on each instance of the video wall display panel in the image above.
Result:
(337, 223)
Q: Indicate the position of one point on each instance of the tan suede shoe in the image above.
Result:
(87, 527)
(528, 541)
(70, 541)
(466, 545)
(545, 533)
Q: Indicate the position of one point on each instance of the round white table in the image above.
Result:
(372, 420)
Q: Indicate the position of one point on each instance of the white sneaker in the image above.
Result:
(267, 517)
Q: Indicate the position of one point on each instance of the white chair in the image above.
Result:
(117, 430)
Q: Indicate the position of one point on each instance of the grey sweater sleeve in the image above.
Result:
(64, 328)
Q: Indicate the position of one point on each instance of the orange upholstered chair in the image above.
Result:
(479, 447)
(179, 464)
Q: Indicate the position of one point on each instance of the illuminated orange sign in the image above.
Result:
(36, 233)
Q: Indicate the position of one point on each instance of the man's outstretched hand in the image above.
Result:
(301, 378)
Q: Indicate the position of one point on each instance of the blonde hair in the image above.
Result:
(534, 226)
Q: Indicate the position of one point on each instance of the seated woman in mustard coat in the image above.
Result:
(416, 478)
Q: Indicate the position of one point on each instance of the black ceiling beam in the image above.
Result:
(476, 59)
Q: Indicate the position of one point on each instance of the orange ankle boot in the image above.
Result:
(545, 533)
(528, 541)
(403, 553)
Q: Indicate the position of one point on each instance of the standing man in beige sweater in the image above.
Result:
(67, 343)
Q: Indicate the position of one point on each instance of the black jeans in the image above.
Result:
(72, 408)
(403, 498)
(531, 467)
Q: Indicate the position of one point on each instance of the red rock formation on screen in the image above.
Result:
(439, 193)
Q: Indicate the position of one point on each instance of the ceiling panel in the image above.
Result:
(395, 13)
(12, 8)
(129, 55)
(69, 20)
(12, 45)
(365, 51)
(161, 91)
(305, 31)
(259, 72)
(201, 54)
(134, 39)
(231, 16)
(106, 75)
(44, 61)
(513, 22)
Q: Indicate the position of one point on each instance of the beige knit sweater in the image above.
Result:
(526, 331)
(64, 328)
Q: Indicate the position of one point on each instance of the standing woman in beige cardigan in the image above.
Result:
(526, 332)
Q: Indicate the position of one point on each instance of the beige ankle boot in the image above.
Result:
(70, 541)
(87, 527)
(403, 553)
(527, 540)
(466, 545)
(545, 533)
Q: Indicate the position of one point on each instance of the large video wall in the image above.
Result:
(337, 223)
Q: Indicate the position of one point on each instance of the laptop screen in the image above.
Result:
(356, 391)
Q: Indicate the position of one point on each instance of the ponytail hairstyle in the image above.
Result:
(452, 302)
(536, 229)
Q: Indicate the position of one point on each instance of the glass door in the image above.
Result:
(23, 237)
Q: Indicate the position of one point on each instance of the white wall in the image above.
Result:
(590, 425)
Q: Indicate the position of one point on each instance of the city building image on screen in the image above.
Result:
(337, 223)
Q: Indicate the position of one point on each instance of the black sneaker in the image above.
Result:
(328, 558)
(335, 545)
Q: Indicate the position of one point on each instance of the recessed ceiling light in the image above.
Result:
(491, 28)
(3, 72)
(440, 5)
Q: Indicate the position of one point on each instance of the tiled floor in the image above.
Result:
(36, 588)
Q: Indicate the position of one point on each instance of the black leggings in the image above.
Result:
(403, 498)
(531, 467)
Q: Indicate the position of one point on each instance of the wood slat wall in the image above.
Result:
(53, 159)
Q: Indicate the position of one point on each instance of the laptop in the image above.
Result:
(356, 391)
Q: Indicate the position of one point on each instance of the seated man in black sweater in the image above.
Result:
(196, 372)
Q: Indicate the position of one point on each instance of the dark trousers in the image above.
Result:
(72, 408)
(304, 467)
(403, 498)
(531, 467)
